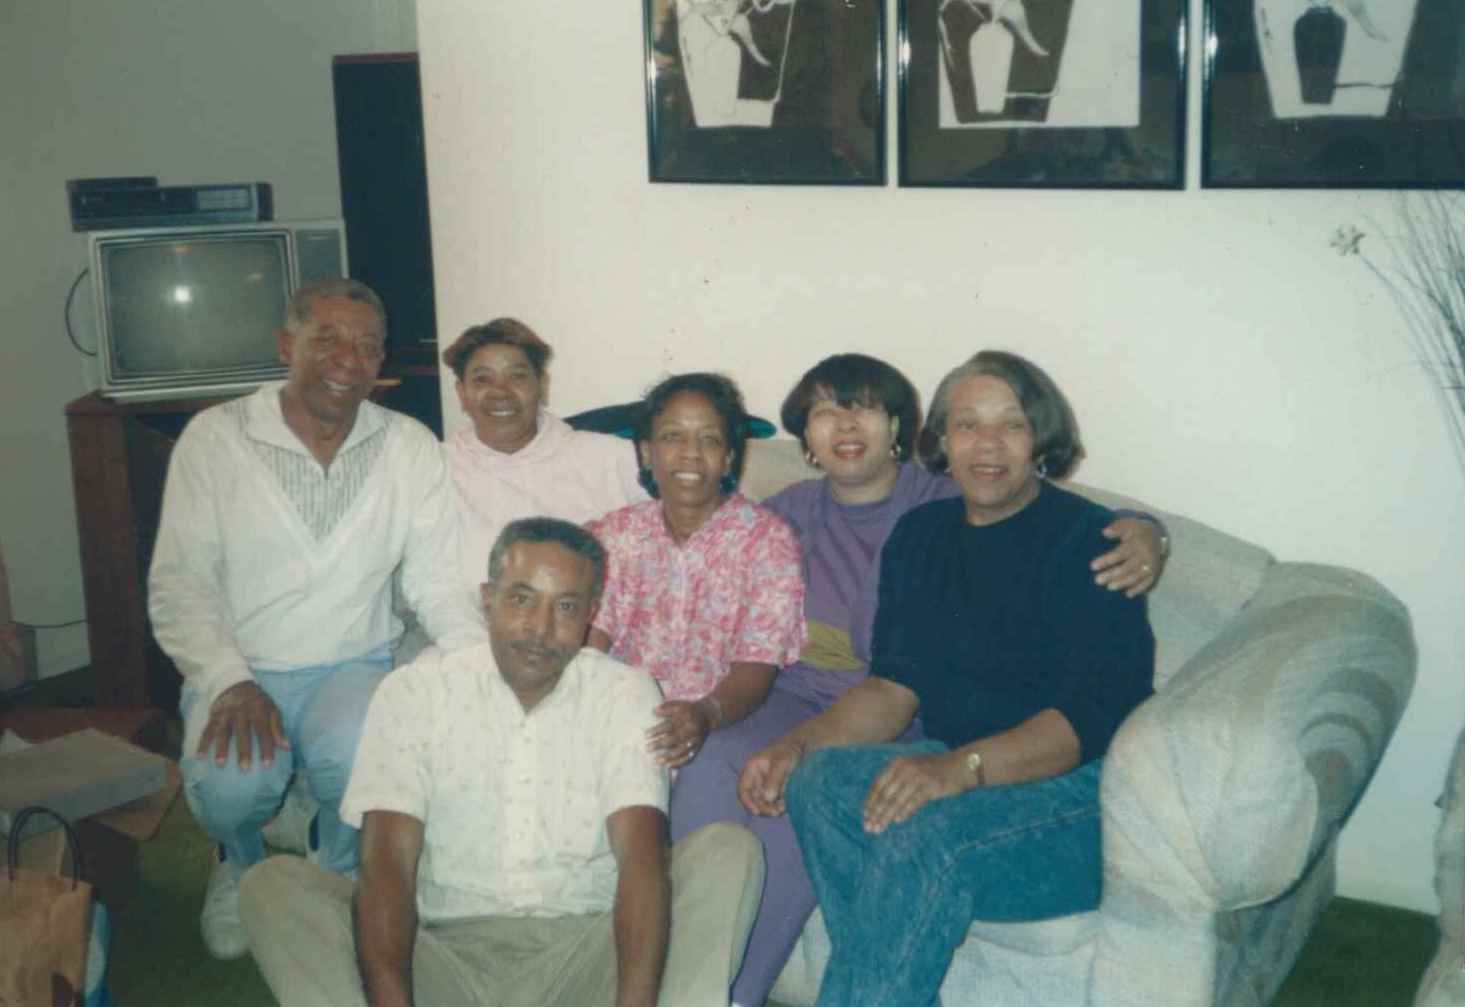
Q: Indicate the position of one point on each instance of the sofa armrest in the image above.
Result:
(1222, 787)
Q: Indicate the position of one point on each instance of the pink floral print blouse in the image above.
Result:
(734, 591)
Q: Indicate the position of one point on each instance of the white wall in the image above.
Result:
(1224, 361)
(200, 91)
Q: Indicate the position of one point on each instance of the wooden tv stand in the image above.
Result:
(119, 463)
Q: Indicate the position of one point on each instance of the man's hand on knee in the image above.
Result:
(241, 714)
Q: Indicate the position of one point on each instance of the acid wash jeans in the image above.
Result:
(898, 905)
(322, 708)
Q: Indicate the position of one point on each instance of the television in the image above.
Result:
(193, 311)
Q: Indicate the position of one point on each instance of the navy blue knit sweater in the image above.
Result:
(990, 625)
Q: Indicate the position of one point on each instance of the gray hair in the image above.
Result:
(1056, 443)
(297, 312)
(549, 529)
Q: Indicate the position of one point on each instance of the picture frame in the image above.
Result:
(1364, 94)
(788, 92)
(1030, 94)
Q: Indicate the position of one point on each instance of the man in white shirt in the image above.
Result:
(514, 843)
(285, 515)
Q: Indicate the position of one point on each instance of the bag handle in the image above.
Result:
(17, 829)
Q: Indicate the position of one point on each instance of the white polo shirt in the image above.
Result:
(514, 804)
(267, 560)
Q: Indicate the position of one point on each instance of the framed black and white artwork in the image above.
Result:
(766, 91)
(1042, 93)
(1335, 93)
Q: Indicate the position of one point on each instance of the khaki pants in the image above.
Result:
(299, 922)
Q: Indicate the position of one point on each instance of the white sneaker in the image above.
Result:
(222, 929)
(289, 830)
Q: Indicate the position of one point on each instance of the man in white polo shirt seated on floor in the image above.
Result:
(514, 836)
(285, 515)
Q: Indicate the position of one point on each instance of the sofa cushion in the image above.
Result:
(773, 465)
(1046, 962)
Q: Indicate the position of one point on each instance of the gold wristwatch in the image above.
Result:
(974, 766)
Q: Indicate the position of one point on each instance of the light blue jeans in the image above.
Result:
(897, 905)
(322, 708)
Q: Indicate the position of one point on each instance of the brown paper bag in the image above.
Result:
(45, 922)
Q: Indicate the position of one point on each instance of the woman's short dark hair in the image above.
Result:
(854, 379)
(726, 399)
(573, 537)
(500, 332)
(1056, 445)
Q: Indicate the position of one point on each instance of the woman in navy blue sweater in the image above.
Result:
(1022, 669)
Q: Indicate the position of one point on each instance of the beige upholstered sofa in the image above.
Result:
(1278, 685)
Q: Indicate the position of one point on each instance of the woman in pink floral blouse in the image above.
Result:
(704, 588)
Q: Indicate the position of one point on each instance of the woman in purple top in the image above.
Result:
(857, 419)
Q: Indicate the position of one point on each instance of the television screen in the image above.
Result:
(199, 304)
(189, 311)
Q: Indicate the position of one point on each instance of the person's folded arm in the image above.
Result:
(741, 691)
(433, 549)
(771, 628)
(186, 603)
(1106, 659)
(874, 711)
(642, 911)
(190, 616)
(384, 906)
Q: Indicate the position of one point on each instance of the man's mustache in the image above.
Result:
(537, 650)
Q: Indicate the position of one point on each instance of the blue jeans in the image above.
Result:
(897, 905)
(322, 708)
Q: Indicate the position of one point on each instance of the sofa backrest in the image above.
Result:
(1208, 579)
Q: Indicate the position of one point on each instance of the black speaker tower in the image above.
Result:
(383, 167)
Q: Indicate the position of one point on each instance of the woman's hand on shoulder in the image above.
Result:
(764, 778)
(910, 783)
(1135, 564)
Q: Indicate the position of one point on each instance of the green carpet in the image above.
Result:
(158, 957)
(1360, 955)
